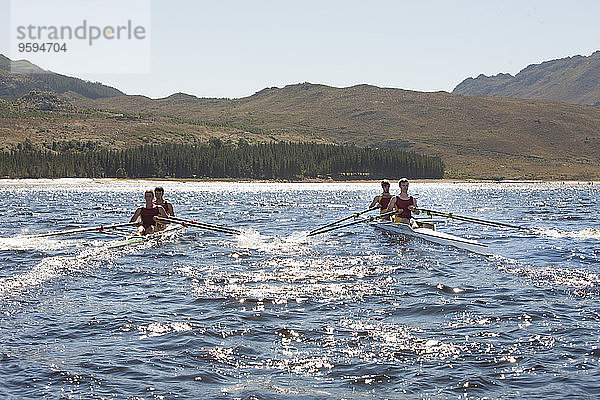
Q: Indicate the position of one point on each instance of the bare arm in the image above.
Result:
(162, 214)
(414, 208)
(136, 215)
(375, 202)
(170, 210)
(391, 204)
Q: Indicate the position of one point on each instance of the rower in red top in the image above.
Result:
(159, 201)
(147, 214)
(404, 204)
(382, 200)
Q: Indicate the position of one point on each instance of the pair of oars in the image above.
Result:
(202, 225)
(336, 224)
(101, 228)
(115, 227)
(473, 220)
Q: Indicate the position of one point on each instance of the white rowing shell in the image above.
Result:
(432, 236)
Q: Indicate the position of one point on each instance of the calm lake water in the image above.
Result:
(274, 314)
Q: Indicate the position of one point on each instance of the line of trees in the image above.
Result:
(60, 83)
(215, 159)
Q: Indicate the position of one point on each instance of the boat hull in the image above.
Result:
(431, 235)
(135, 239)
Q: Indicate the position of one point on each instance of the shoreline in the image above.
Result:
(314, 180)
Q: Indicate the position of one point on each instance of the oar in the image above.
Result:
(192, 222)
(101, 228)
(352, 223)
(201, 225)
(314, 231)
(474, 220)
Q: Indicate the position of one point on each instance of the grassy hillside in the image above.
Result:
(476, 136)
(42, 117)
(572, 80)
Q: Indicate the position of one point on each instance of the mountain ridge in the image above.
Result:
(573, 80)
(476, 136)
(17, 78)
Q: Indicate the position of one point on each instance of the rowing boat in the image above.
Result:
(131, 238)
(135, 238)
(427, 232)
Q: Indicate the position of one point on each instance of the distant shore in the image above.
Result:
(312, 180)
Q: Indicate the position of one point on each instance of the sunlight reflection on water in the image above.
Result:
(274, 313)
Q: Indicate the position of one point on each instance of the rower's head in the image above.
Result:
(159, 191)
(403, 183)
(149, 195)
(385, 185)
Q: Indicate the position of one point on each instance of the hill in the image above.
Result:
(43, 117)
(573, 80)
(17, 78)
(476, 136)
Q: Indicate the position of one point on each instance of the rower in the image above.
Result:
(159, 192)
(382, 200)
(147, 214)
(404, 204)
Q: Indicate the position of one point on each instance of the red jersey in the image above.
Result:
(403, 204)
(383, 202)
(148, 215)
(165, 205)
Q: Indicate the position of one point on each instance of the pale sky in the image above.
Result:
(234, 48)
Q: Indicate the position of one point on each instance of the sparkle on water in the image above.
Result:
(274, 313)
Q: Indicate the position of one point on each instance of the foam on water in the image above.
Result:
(52, 267)
(47, 269)
(157, 329)
(32, 243)
(252, 239)
(551, 275)
(587, 233)
(283, 279)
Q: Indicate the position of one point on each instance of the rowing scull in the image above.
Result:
(431, 235)
(136, 239)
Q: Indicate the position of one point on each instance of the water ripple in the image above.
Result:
(273, 313)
